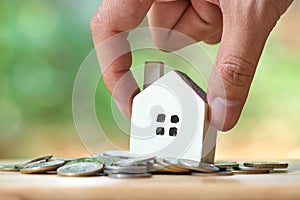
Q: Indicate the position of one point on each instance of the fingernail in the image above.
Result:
(224, 113)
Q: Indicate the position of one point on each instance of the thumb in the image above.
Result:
(235, 66)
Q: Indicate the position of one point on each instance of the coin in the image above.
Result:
(277, 165)
(23, 164)
(135, 161)
(120, 154)
(173, 165)
(221, 173)
(144, 175)
(130, 170)
(64, 159)
(41, 167)
(80, 169)
(171, 161)
(197, 166)
(155, 168)
(225, 165)
(159, 166)
(100, 174)
(176, 169)
(97, 155)
(8, 168)
(161, 162)
(244, 168)
(104, 160)
(168, 169)
(249, 172)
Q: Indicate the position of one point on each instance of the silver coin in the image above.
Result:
(170, 161)
(144, 175)
(225, 165)
(104, 160)
(243, 168)
(80, 169)
(197, 166)
(120, 154)
(158, 166)
(172, 165)
(44, 158)
(41, 167)
(277, 165)
(221, 173)
(97, 155)
(64, 159)
(135, 161)
(173, 170)
(154, 167)
(129, 170)
(161, 162)
(100, 174)
(8, 168)
(249, 172)
(107, 160)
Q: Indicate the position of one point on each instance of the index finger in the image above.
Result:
(112, 18)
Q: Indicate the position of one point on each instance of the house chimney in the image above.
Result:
(152, 72)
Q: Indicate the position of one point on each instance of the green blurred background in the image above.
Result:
(43, 43)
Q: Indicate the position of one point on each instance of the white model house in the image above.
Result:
(169, 119)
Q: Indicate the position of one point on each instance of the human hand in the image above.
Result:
(242, 26)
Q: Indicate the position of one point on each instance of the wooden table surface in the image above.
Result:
(16, 186)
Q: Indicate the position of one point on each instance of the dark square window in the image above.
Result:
(174, 119)
(161, 118)
(160, 131)
(173, 132)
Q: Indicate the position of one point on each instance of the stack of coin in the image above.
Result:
(133, 167)
(163, 166)
(122, 164)
(259, 167)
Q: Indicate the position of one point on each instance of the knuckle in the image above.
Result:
(237, 72)
(102, 16)
(97, 20)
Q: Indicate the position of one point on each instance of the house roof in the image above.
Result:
(193, 85)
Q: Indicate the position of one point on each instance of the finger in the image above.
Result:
(112, 18)
(214, 39)
(182, 17)
(235, 66)
(209, 12)
(195, 26)
(166, 14)
(212, 14)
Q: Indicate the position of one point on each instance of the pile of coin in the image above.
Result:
(122, 164)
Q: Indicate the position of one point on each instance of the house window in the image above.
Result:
(160, 131)
(161, 118)
(174, 119)
(173, 131)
